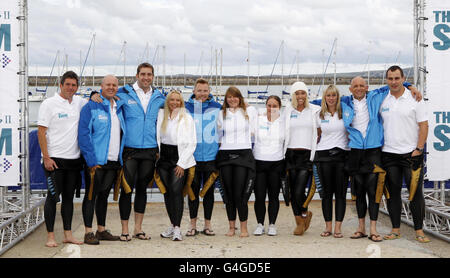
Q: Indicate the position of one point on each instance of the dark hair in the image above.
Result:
(394, 68)
(145, 65)
(71, 75)
(277, 98)
(201, 81)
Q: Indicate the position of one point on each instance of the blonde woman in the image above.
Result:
(235, 158)
(177, 142)
(330, 158)
(300, 146)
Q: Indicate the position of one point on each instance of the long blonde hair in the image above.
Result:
(181, 112)
(331, 89)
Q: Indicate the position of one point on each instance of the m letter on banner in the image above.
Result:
(438, 91)
(9, 93)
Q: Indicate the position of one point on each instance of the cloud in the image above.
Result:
(380, 28)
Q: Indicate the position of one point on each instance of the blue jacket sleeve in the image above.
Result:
(85, 136)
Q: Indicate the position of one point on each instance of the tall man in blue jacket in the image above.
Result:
(100, 131)
(141, 103)
(204, 111)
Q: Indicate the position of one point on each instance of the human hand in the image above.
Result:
(179, 172)
(50, 164)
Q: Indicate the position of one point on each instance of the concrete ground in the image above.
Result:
(284, 245)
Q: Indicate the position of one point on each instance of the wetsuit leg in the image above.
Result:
(166, 180)
(88, 206)
(57, 181)
(196, 183)
(226, 173)
(417, 204)
(68, 192)
(299, 181)
(371, 188)
(130, 167)
(361, 202)
(340, 193)
(260, 196)
(394, 177)
(274, 193)
(208, 200)
(239, 180)
(175, 191)
(328, 183)
(101, 204)
(145, 173)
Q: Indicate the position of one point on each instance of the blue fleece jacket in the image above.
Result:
(374, 133)
(141, 127)
(94, 131)
(205, 116)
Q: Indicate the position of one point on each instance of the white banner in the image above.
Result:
(9, 93)
(437, 30)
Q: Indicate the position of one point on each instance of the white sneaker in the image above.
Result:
(177, 234)
(272, 231)
(168, 233)
(259, 230)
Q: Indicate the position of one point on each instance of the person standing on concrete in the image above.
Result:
(100, 131)
(205, 111)
(405, 123)
(141, 103)
(300, 147)
(175, 169)
(235, 159)
(330, 158)
(270, 165)
(58, 139)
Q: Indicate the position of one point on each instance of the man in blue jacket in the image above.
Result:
(100, 131)
(140, 103)
(204, 111)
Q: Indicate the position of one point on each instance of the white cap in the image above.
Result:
(298, 86)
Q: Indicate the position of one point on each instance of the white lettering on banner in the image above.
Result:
(9, 93)
(438, 58)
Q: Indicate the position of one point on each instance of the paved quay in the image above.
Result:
(284, 245)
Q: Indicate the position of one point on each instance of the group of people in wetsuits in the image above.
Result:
(129, 138)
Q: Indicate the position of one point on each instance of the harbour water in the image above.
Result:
(315, 92)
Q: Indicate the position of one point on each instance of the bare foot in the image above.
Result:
(243, 234)
(51, 243)
(231, 232)
(72, 240)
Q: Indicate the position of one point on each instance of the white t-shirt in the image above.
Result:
(400, 122)
(143, 97)
(334, 134)
(235, 131)
(361, 118)
(169, 137)
(269, 139)
(301, 129)
(114, 139)
(61, 120)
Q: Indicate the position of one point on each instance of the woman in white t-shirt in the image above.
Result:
(330, 158)
(235, 159)
(300, 146)
(269, 156)
(177, 142)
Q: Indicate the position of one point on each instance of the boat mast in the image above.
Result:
(93, 62)
(124, 63)
(248, 67)
(298, 65)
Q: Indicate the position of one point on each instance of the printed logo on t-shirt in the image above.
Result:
(325, 121)
(294, 116)
(63, 115)
(264, 127)
(385, 109)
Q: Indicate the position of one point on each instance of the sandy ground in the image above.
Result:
(284, 245)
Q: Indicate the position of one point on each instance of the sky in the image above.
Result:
(379, 32)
